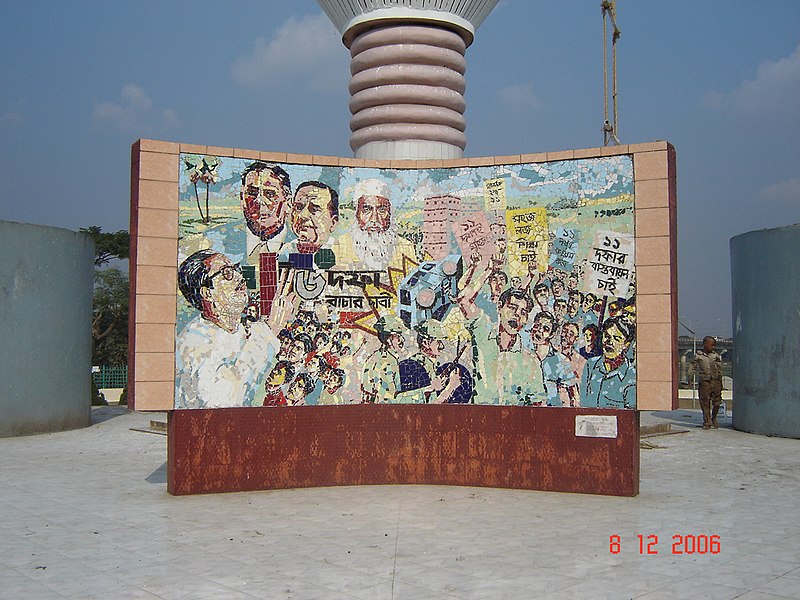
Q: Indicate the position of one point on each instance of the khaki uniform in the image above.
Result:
(708, 367)
(380, 380)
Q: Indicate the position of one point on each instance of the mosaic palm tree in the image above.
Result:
(203, 169)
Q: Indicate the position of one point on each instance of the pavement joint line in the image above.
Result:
(396, 543)
(149, 430)
(662, 433)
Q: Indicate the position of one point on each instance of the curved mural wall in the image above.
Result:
(311, 285)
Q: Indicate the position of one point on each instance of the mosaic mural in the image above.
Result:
(312, 285)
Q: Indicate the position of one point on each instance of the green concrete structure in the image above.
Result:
(46, 278)
(765, 274)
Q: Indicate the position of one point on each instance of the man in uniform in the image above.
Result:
(380, 379)
(707, 364)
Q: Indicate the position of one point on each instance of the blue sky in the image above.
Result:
(82, 80)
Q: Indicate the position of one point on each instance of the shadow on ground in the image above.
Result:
(689, 418)
(158, 476)
(106, 413)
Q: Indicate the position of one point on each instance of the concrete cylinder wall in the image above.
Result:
(46, 277)
(765, 274)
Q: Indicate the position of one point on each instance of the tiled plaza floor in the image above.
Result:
(85, 514)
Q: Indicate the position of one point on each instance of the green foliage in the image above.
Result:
(110, 307)
(108, 245)
(110, 318)
(123, 397)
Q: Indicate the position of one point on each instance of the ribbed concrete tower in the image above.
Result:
(407, 66)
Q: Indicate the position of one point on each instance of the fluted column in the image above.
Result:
(407, 66)
(407, 92)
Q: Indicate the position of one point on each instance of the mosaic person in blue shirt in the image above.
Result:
(557, 374)
(609, 380)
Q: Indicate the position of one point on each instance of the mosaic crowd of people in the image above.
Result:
(490, 336)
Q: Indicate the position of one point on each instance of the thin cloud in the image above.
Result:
(13, 116)
(774, 90)
(519, 96)
(134, 111)
(170, 118)
(784, 191)
(308, 49)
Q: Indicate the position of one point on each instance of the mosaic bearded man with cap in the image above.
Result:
(371, 242)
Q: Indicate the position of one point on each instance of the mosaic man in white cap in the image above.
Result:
(371, 242)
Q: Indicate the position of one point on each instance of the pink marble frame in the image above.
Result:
(154, 247)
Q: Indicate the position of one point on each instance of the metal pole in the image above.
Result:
(694, 375)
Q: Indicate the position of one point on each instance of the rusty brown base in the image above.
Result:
(245, 449)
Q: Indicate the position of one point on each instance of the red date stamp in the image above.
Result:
(681, 544)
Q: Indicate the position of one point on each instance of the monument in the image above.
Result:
(407, 315)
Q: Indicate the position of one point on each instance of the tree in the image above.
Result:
(202, 168)
(108, 245)
(110, 317)
(110, 301)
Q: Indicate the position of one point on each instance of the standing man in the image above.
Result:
(500, 363)
(707, 364)
(569, 351)
(556, 370)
